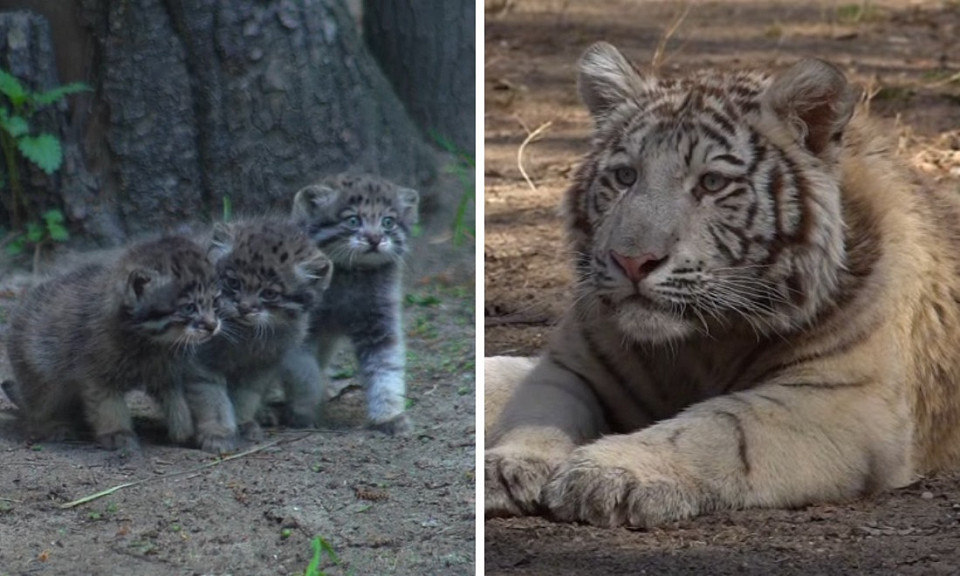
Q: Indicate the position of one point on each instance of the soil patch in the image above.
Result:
(384, 505)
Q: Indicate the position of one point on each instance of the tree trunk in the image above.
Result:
(200, 100)
(427, 50)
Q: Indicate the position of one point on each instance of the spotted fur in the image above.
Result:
(765, 316)
(271, 276)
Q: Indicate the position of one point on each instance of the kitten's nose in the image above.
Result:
(374, 239)
(211, 324)
(637, 267)
(248, 307)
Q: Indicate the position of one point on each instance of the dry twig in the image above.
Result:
(530, 138)
(217, 462)
(658, 55)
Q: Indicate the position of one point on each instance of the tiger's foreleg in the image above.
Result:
(550, 413)
(773, 446)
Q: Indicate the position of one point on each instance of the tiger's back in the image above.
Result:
(760, 285)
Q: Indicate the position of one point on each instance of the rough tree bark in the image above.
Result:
(427, 50)
(198, 100)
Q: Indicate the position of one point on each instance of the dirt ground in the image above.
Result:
(384, 505)
(906, 54)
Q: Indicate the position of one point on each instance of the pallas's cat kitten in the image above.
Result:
(363, 223)
(271, 276)
(80, 340)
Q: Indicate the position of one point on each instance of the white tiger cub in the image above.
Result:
(767, 310)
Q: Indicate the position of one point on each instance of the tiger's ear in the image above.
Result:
(313, 200)
(814, 99)
(317, 271)
(607, 79)
(409, 203)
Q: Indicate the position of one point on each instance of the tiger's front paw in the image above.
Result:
(588, 487)
(512, 479)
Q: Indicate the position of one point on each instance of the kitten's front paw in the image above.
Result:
(512, 480)
(396, 426)
(122, 440)
(217, 444)
(180, 427)
(299, 418)
(250, 431)
(269, 416)
(586, 489)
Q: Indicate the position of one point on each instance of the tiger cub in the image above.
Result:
(271, 276)
(80, 340)
(363, 223)
(766, 310)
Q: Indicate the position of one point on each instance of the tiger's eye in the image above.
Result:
(625, 176)
(713, 182)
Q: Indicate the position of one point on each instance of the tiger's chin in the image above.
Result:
(643, 324)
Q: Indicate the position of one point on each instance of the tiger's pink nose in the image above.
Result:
(639, 267)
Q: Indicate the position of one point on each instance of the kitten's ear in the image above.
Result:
(221, 242)
(409, 203)
(139, 280)
(607, 79)
(318, 270)
(813, 98)
(313, 200)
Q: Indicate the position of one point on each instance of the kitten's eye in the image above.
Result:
(388, 223)
(713, 182)
(269, 295)
(232, 283)
(625, 176)
(353, 221)
(188, 308)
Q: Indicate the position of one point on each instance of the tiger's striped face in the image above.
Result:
(711, 202)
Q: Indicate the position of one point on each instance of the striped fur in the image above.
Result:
(764, 315)
(78, 341)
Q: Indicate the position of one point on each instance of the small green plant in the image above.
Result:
(227, 209)
(463, 167)
(43, 149)
(49, 228)
(425, 300)
(321, 548)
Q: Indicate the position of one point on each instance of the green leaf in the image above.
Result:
(53, 217)
(34, 232)
(43, 150)
(51, 96)
(12, 87)
(15, 248)
(57, 232)
(15, 126)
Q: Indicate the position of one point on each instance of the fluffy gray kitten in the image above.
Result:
(271, 276)
(363, 224)
(80, 340)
